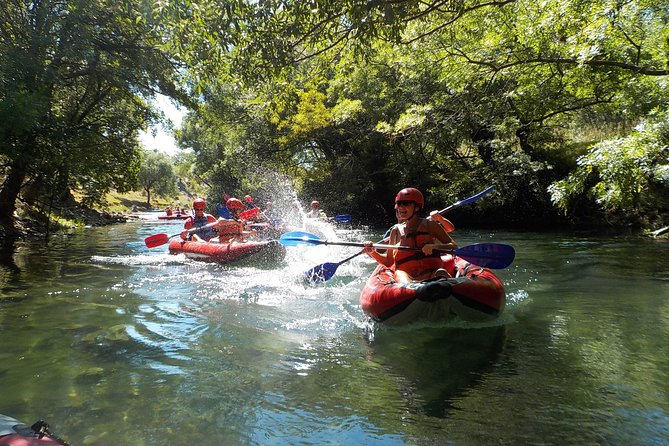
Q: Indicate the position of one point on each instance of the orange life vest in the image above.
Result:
(229, 230)
(415, 263)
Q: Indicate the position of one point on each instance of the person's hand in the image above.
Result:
(184, 235)
(367, 249)
(444, 222)
(427, 249)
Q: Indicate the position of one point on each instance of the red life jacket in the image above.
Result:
(194, 221)
(415, 263)
(229, 230)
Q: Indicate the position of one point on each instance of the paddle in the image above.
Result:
(325, 271)
(250, 213)
(489, 255)
(343, 218)
(160, 239)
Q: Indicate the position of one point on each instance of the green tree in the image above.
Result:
(76, 76)
(453, 94)
(156, 174)
(627, 177)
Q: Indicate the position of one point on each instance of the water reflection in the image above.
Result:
(10, 273)
(435, 366)
(115, 343)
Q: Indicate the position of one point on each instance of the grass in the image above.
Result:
(136, 201)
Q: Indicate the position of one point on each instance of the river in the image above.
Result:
(113, 343)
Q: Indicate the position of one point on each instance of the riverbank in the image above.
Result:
(31, 221)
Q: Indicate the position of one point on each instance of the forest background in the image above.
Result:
(562, 104)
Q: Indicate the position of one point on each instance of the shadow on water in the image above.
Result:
(10, 273)
(437, 366)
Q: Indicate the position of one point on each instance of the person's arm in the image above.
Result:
(387, 258)
(187, 225)
(442, 241)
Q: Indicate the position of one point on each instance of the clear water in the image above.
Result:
(113, 343)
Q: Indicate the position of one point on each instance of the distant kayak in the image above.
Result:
(15, 433)
(251, 251)
(173, 217)
(473, 294)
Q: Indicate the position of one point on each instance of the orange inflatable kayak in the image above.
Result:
(252, 251)
(473, 294)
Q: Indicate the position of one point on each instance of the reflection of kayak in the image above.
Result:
(173, 217)
(15, 433)
(474, 294)
(256, 251)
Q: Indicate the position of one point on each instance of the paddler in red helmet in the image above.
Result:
(199, 220)
(412, 230)
(232, 229)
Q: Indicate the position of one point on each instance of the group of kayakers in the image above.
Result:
(232, 225)
(175, 210)
(430, 235)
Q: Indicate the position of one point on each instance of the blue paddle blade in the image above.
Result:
(343, 218)
(477, 196)
(488, 255)
(321, 273)
(296, 238)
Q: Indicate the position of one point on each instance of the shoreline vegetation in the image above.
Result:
(32, 223)
(345, 104)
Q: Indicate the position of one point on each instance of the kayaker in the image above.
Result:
(222, 208)
(295, 217)
(232, 229)
(315, 212)
(416, 232)
(199, 220)
(271, 215)
(249, 202)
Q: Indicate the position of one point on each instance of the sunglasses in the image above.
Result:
(404, 203)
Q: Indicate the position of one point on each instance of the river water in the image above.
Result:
(113, 343)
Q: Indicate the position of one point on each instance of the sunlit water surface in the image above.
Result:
(113, 343)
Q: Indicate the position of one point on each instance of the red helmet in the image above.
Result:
(234, 203)
(410, 194)
(315, 203)
(248, 198)
(199, 203)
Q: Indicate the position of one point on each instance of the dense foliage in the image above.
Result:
(347, 101)
(626, 177)
(75, 79)
(446, 96)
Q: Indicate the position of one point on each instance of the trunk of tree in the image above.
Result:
(523, 134)
(482, 137)
(148, 197)
(9, 194)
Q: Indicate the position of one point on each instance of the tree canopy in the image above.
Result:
(449, 96)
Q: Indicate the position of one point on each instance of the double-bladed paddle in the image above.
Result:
(488, 255)
(343, 218)
(325, 271)
(160, 239)
(249, 213)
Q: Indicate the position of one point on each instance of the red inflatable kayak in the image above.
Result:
(473, 294)
(254, 251)
(15, 433)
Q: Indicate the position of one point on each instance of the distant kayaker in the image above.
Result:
(416, 232)
(222, 208)
(315, 211)
(199, 220)
(232, 229)
(295, 217)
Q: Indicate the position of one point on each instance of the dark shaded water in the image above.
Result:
(113, 343)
